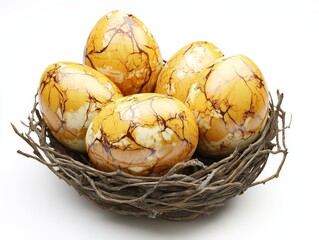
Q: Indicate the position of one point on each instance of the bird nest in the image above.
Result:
(190, 189)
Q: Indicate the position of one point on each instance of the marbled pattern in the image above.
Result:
(70, 96)
(184, 67)
(121, 47)
(231, 105)
(143, 134)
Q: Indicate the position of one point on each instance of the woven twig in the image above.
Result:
(188, 190)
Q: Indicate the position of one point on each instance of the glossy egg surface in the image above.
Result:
(184, 67)
(70, 96)
(143, 134)
(230, 104)
(122, 48)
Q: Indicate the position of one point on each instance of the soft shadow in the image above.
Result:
(169, 228)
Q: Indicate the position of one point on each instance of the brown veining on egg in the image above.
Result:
(70, 96)
(122, 48)
(144, 134)
(184, 68)
(230, 104)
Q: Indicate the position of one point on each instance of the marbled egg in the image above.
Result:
(142, 134)
(122, 48)
(184, 67)
(230, 104)
(70, 96)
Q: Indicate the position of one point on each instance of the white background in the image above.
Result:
(280, 36)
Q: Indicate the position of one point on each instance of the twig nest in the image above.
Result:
(188, 190)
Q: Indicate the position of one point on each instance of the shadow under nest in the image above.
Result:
(190, 189)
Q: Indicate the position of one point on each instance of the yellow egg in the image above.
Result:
(122, 48)
(70, 96)
(142, 134)
(230, 104)
(184, 67)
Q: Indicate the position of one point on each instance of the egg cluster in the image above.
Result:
(129, 111)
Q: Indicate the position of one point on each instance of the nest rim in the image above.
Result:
(188, 190)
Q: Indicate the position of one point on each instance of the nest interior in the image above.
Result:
(190, 189)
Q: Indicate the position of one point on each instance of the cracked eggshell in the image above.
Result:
(123, 49)
(230, 104)
(70, 96)
(184, 68)
(142, 134)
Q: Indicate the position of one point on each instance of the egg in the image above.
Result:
(230, 104)
(142, 134)
(123, 49)
(70, 96)
(184, 67)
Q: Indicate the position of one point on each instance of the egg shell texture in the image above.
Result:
(143, 134)
(70, 96)
(231, 105)
(121, 47)
(184, 67)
